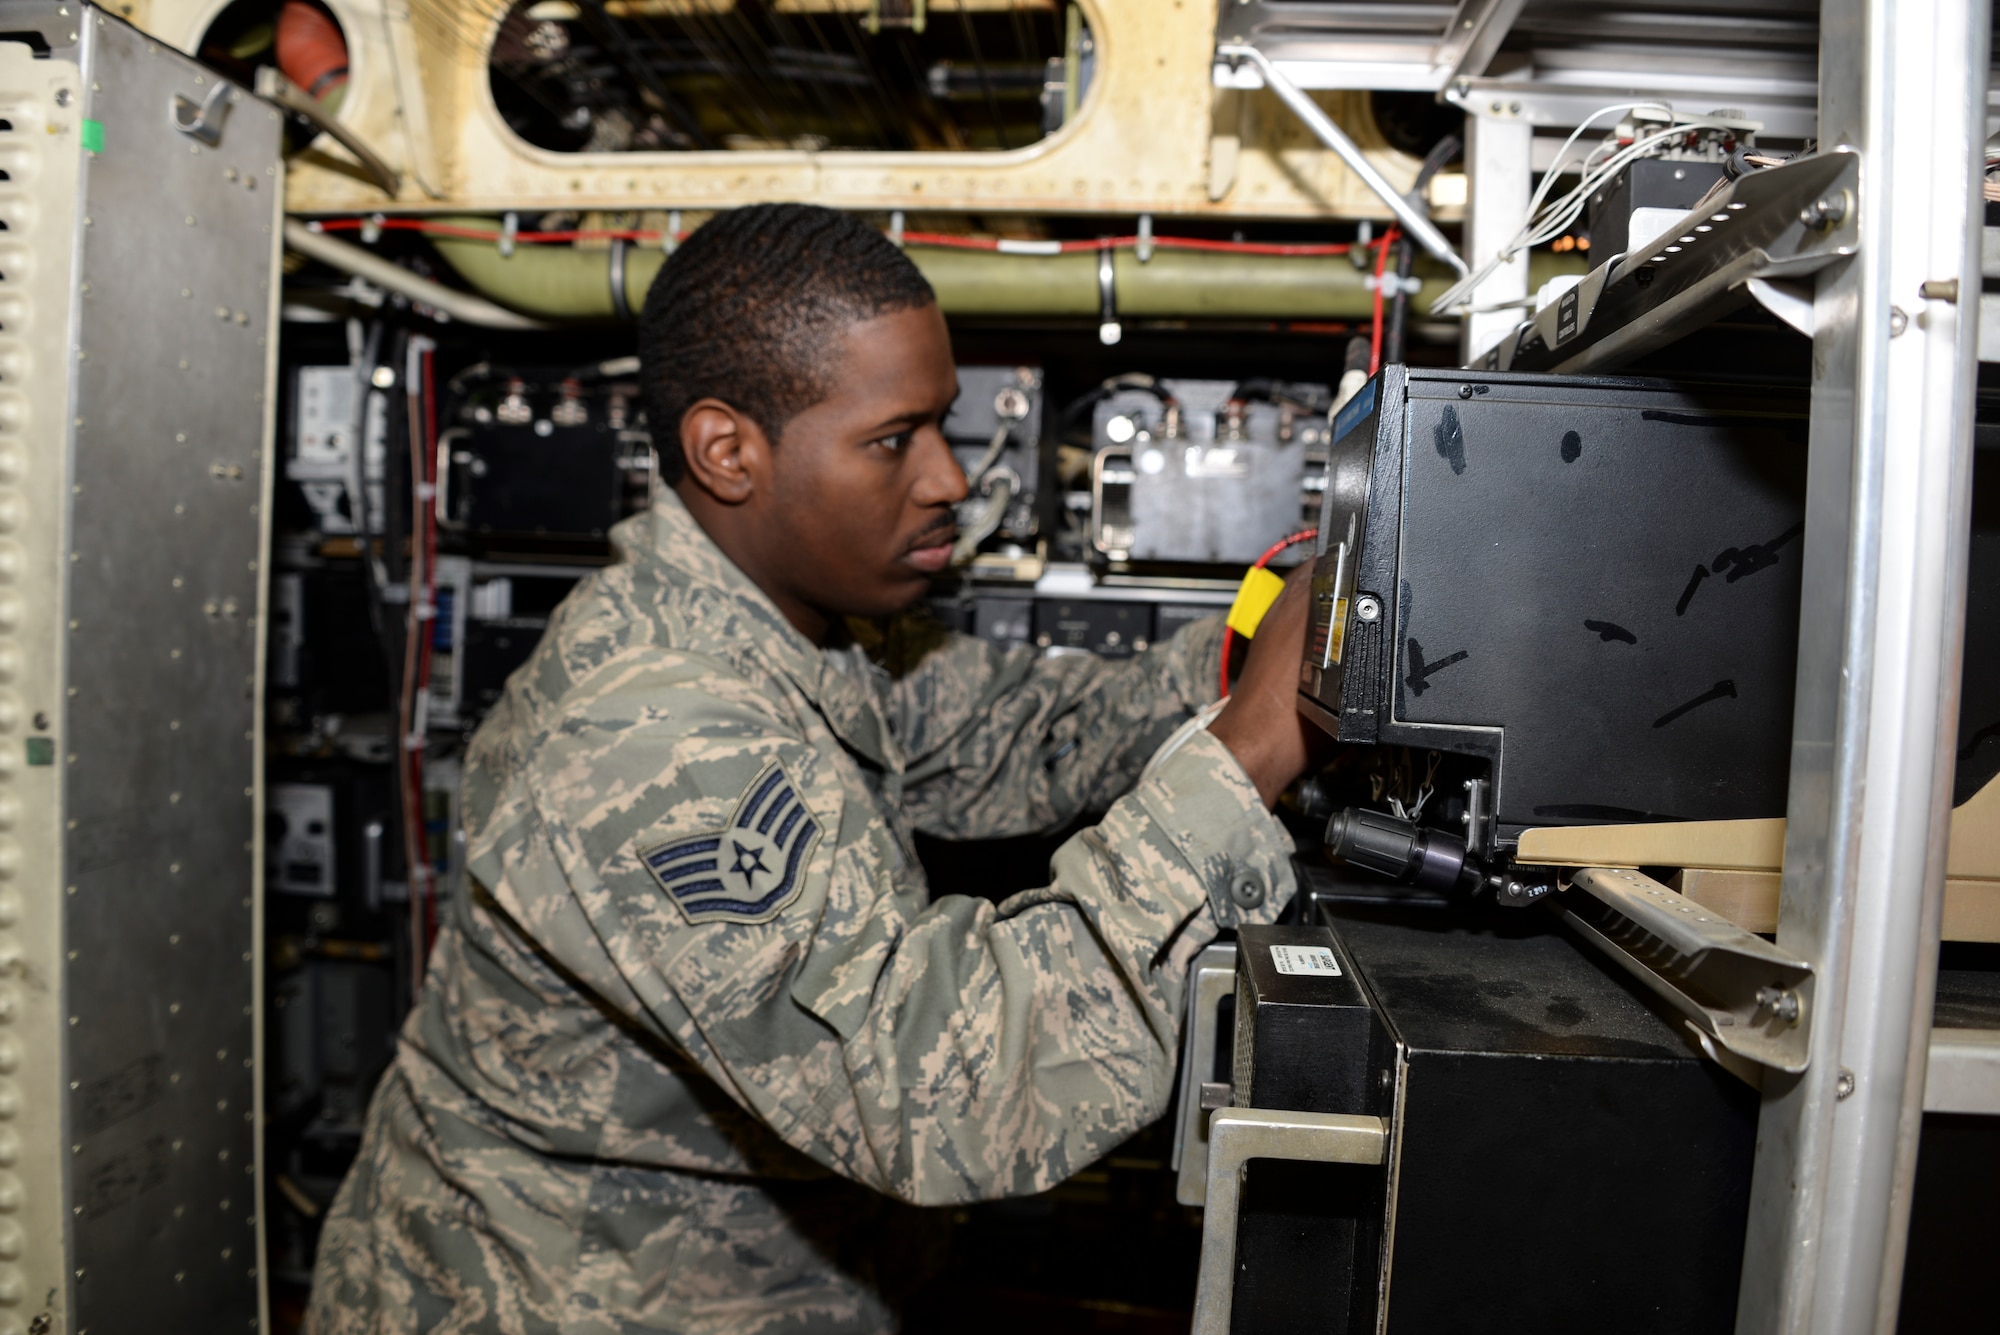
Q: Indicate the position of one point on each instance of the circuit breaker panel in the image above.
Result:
(141, 204)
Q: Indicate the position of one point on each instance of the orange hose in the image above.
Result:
(311, 51)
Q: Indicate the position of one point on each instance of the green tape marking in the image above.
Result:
(41, 750)
(93, 136)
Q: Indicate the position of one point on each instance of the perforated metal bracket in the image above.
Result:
(1747, 996)
(1235, 1137)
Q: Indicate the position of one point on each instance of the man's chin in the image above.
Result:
(888, 599)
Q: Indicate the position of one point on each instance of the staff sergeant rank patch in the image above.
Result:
(750, 869)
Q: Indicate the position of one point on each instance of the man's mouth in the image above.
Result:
(930, 551)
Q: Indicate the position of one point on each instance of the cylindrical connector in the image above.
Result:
(1402, 850)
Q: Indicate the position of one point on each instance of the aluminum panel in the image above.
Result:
(171, 361)
(38, 197)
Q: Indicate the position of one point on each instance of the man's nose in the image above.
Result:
(940, 480)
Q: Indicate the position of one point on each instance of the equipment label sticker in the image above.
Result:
(1317, 960)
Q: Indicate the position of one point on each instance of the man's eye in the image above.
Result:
(898, 442)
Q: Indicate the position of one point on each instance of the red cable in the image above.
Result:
(1229, 635)
(1375, 335)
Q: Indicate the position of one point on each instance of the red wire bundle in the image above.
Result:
(1375, 335)
(1229, 635)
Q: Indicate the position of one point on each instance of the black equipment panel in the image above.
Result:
(1594, 583)
(1979, 694)
(1562, 1160)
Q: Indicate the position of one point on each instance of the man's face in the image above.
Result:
(862, 483)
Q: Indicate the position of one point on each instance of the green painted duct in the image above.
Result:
(559, 282)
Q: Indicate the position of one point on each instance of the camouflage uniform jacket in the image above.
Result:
(698, 965)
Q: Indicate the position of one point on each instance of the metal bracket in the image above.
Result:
(1778, 223)
(1964, 1071)
(1790, 301)
(1212, 977)
(1745, 994)
(204, 120)
(1235, 1137)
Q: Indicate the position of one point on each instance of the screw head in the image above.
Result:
(1367, 609)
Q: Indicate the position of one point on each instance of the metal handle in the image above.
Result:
(1238, 1135)
(1212, 978)
(273, 86)
(1100, 532)
(1307, 110)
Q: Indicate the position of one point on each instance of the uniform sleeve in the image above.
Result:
(938, 1053)
(1006, 743)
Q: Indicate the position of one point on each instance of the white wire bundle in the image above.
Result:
(1545, 224)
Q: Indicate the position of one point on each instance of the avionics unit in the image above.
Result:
(1592, 584)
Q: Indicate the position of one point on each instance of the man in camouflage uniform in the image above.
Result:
(698, 986)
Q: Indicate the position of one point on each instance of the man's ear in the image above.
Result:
(727, 454)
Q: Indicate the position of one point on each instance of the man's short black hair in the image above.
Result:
(748, 309)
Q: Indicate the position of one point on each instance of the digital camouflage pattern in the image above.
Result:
(617, 1110)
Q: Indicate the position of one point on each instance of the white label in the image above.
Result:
(1305, 959)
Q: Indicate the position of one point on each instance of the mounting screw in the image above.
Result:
(1843, 1085)
(1825, 212)
(1367, 609)
(1782, 1002)
(1899, 321)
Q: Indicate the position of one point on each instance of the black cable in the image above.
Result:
(1442, 152)
(1399, 308)
(1307, 398)
(1090, 399)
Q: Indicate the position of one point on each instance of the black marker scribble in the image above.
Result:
(1572, 447)
(1715, 692)
(1420, 671)
(1449, 437)
(1741, 561)
(1687, 594)
(1608, 631)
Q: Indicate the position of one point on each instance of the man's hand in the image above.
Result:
(1261, 725)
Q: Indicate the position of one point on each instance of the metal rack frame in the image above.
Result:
(1903, 85)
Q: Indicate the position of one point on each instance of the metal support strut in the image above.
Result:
(1409, 215)
(1903, 86)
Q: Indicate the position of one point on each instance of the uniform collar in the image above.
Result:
(736, 620)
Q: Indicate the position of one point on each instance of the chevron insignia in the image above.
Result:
(750, 869)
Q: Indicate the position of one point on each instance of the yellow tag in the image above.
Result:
(1260, 588)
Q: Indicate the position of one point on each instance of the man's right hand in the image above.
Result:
(1261, 725)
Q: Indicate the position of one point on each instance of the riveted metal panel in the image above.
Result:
(156, 362)
(37, 204)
